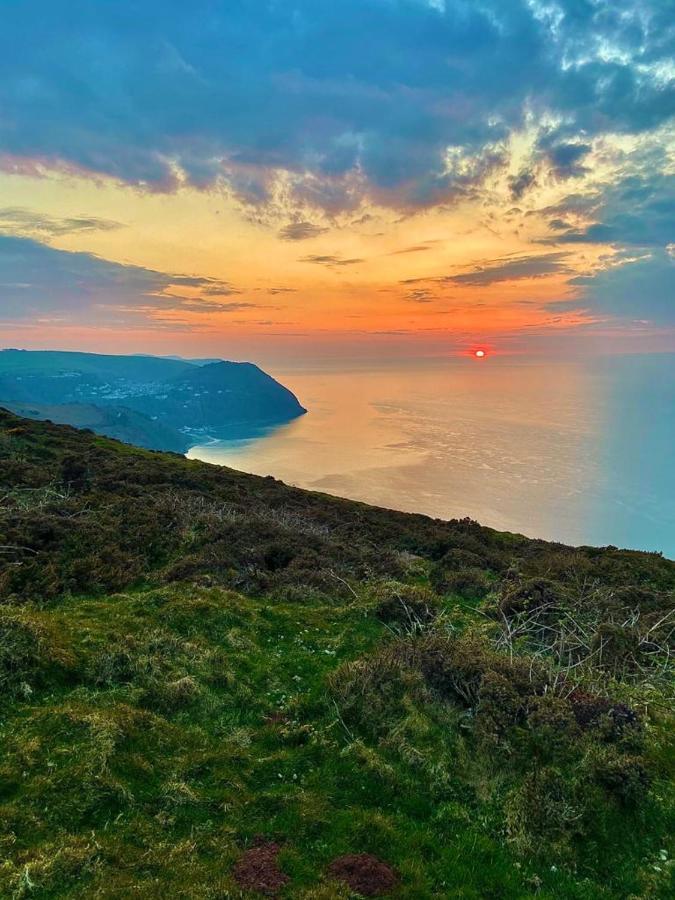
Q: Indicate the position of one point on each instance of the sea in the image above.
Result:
(581, 452)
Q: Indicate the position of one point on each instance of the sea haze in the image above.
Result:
(576, 452)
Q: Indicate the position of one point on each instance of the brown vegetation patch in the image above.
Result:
(258, 870)
(363, 873)
(589, 708)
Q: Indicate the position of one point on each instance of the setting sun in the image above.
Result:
(479, 354)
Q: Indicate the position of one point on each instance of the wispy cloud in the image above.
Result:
(416, 248)
(18, 220)
(330, 261)
(37, 280)
(419, 296)
(300, 231)
(514, 269)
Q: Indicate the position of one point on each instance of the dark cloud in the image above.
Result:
(351, 99)
(558, 224)
(417, 248)
(300, 231)
(638, 211)
(217, 289)
(38, 281)
(521, 183)
(514, 269)
(329, 260)
(633, 289)
(17, 220)
(566, 159)
(420, 295)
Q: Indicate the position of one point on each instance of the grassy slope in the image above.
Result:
(115, 422)
(190, 657)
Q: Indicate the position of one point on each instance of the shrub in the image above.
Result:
(623, 775)
(375, 692)
(546, 808)
(532, 593)
(552, 716)
(617, 647)
(75, 472)
(278, 556)
(500, 707)
(405, 607)
(468, 583)
(454, 666)
(593, 711)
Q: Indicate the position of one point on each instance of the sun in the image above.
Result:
(479, 354)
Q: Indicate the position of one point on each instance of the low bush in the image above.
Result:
(623, 775)
(467, 582)
(405, 607)
(546, 810)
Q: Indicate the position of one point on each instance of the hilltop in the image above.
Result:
(217, 685)
(159, 403)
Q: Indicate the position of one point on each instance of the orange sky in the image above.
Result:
(376, 281)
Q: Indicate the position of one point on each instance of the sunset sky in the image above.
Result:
(279, 179)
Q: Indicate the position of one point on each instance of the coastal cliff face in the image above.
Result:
(157, 403)
(214, 683)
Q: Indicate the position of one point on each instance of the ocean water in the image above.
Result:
(579, 452)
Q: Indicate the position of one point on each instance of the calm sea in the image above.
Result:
(576, 452)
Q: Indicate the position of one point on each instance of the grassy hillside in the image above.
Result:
(113, 421)
(215, 685)
(143, 400)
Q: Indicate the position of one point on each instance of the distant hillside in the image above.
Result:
(114, 421)
(155, 402)
(215, 685)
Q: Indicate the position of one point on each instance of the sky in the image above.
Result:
(369, 179)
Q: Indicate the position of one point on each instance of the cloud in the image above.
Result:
(215, 288)
(521, 183)
(639, 211)
(18, 220)
(325, 102)
(38, 281)
(565, 159)
(420, 295)
(416, 248)
(634, 289)
(199, 305)
(514, 269)
(300, 231)
(329, 260)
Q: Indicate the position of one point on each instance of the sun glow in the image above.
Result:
(479, 354)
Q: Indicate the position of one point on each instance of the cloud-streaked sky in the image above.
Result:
(255, 177)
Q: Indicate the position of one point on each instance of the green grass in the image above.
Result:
(184, 721)
(278, 663)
